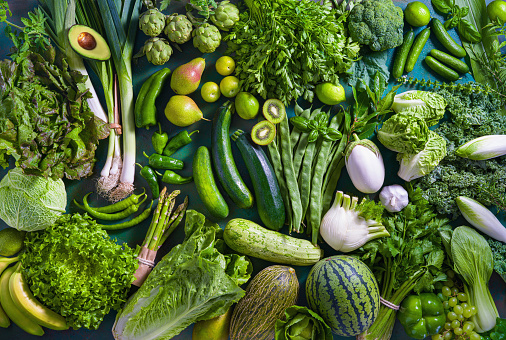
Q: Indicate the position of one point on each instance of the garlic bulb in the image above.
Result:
(394, 198)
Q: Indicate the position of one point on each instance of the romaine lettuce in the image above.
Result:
(193, 282)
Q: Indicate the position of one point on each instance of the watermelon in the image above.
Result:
(344, 291)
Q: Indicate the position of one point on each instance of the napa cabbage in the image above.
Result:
(425, 105)
(29, 202)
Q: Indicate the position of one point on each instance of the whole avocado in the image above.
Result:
(376, 23)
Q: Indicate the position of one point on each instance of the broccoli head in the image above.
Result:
(376, 23)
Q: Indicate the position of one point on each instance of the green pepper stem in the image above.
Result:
(159, 128)
(191, 133)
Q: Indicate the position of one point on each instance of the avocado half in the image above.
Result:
(88, 43)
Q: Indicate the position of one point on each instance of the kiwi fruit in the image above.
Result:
(274, 111)
(263, 132)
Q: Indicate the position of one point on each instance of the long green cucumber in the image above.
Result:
(206, 185)
(223, 160)
(251, 239)
(270, 204)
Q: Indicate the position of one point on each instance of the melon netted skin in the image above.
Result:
(345, 293)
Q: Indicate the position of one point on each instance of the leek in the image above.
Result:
(481, 218)
(483, 148)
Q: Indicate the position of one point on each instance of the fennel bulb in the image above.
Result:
(481, 218)
(482, 148)
(349, 225)
(474, 262)
(365, 165)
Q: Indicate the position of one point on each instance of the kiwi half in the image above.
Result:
(274, 111)
(263, 132)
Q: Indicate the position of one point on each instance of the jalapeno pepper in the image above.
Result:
(178, 141)
(422, 315)
(159, 140)
(171, 177)
(150, 176)
(164, 162)
(145, 108)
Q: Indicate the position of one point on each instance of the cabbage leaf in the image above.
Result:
(191, 283)
(425, 105)
(404, 133)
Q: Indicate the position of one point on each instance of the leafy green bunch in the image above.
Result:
(283, 48)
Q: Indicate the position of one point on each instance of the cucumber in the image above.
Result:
(270, 204)
(446, 40)
(402, 54)
(450, 61)
(251, 239)
(206, 185)
(441, 69)
(420, 41)
(223, 160)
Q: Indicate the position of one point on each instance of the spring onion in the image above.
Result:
(481, 218)
(482, 148)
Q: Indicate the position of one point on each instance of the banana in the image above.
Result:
(4, 263)
(15, 314)
(30, 306)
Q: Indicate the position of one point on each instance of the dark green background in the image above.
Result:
(134, 236)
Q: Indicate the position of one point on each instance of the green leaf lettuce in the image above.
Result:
(301, 323)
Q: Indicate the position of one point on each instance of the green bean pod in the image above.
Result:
(300, 150)
(136, 220)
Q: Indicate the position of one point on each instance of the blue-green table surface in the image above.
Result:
(133, 236)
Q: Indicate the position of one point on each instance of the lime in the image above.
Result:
(330, 94)
(210, 92)
(246, 105)
(417, 14)
(11, 241)
(230, 86)
(225, 65)
(497, 9)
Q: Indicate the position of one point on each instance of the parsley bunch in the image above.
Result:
(283, 48)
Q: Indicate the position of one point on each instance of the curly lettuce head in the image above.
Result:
(30, 202)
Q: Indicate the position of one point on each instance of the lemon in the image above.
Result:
(330, 94)
(225, 65)
(497, 9)
(11, 241)
(230, 86)
(246, 105)
(417, 14)
(210, 92)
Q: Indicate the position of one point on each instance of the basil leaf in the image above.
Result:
(312, 125)
(443, 6)
(322, 120)
(334, 134)
(451, 23)
(468, 32)
(463, 11)
(313, 136)
(300, 123)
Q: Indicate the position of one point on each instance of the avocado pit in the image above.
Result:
(86, 41)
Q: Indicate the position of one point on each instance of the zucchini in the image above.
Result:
(270, 204)
(251, 239)
(206, 185)
(267, 296)
(224, 164)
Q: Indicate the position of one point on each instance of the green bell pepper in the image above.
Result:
(422, 315)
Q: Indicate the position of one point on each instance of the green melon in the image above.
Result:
(343, 290)
(267, 296)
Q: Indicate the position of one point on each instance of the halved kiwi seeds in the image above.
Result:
(274, 111)
(263, 132)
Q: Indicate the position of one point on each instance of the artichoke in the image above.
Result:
(225, 16)
(152, 22)
(206, 38)
(157, 50)
(178, 29)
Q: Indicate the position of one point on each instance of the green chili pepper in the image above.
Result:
(159, 140)
(150, 176)
(119, 206)
(164, 162)
(136, 220)
(145, 108)
(132, 209)
(171, 177)
(178, 141)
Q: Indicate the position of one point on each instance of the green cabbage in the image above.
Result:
(74, 268)
(420, 164)
(30, 202)
(195, 281)
(428, 106)
(404, 133)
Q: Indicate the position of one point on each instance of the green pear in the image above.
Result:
(182, 111)
(186, 78)
(213, 329)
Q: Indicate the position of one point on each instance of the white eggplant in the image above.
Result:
(365, 165)
(482, 148)
(481, 218)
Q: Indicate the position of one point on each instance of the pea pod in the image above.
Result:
(145, 115)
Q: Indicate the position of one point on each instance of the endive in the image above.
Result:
(481, 218)
(483, 148)
(348, 225)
